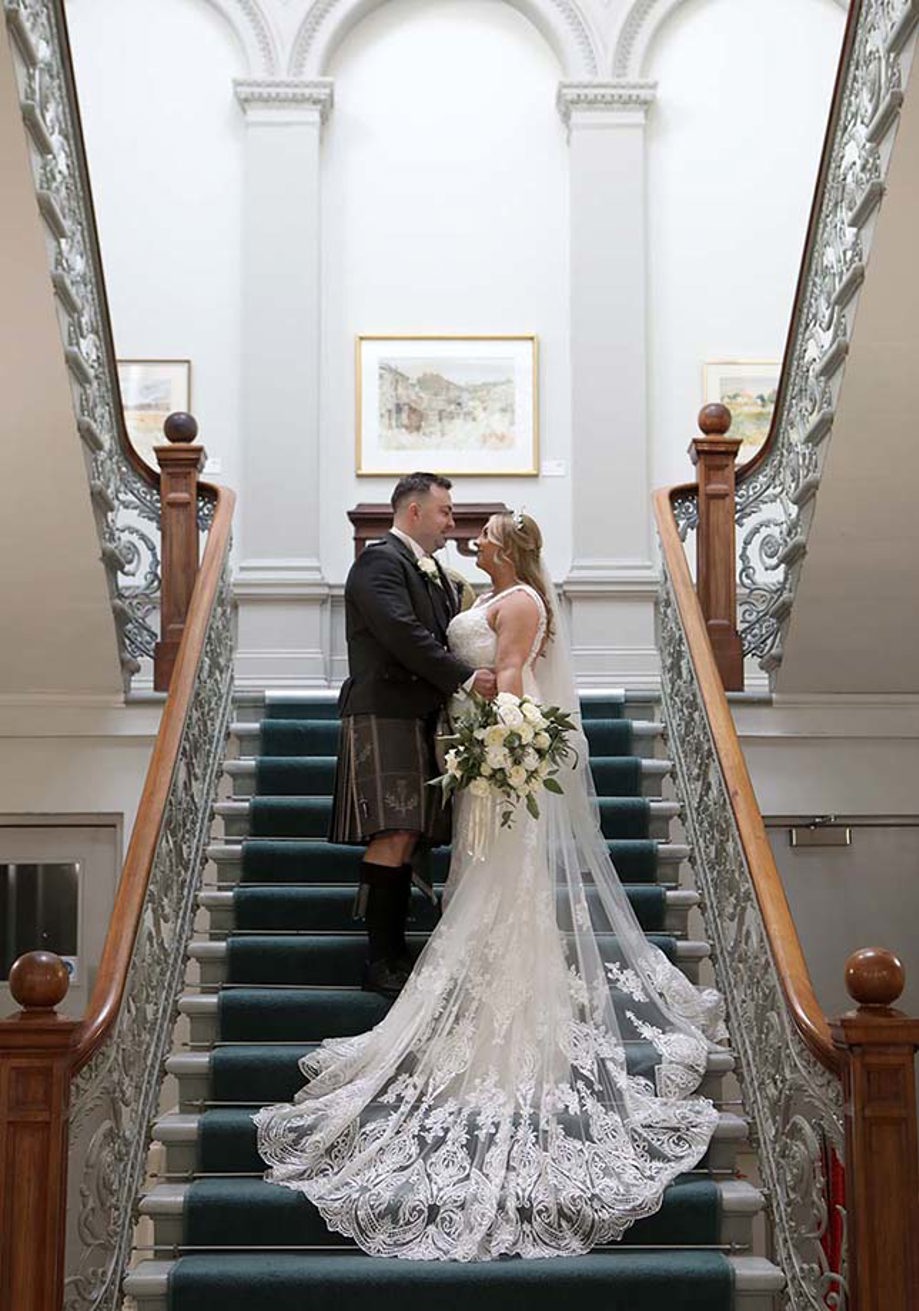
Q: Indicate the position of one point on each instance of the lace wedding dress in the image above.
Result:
(494, 1111)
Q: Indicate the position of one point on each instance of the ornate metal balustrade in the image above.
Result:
(775, 492)
(113, 1098)
(794, 1101)
(124, 494)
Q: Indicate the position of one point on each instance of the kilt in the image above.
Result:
(382, 781)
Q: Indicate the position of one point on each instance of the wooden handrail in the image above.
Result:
(40, 1051)
(111, 978)
(805, 1010)
(872, 1050)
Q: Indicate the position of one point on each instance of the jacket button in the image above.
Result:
(414, 678)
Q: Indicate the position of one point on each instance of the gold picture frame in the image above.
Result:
(150, 391)
(466, 405)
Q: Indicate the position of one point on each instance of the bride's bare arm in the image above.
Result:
(515, 621)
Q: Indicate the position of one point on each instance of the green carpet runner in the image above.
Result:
(291, 968)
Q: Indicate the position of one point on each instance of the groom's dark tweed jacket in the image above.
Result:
(396, 626)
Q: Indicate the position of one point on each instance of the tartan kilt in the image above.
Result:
(382, 780)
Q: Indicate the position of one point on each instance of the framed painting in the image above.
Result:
(748, 388)
(150, 391)
(455, 405)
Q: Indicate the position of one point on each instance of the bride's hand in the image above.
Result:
(485, 684)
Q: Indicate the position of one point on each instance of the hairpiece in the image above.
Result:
(517, 519)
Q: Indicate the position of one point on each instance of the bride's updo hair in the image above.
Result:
(519, 540)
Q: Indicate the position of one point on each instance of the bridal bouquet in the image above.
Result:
(508, 749)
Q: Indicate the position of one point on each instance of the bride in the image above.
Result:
(495, 1110)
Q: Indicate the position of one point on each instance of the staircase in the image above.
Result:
(277, 971)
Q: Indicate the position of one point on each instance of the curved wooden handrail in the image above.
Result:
(105, 1002)
(806, 1012)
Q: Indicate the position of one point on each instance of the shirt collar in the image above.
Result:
(419, 551)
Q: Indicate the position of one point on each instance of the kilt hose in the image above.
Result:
(382, 781)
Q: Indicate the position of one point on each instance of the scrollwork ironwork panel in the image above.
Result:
(126, 506)
(773, 504)
(794, 1103)
(114, 1097)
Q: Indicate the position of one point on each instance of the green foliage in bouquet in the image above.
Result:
(509, 749)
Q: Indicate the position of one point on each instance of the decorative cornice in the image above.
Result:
(327, 22)
(280, 94)
(604, 98)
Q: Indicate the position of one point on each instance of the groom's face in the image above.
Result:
(433, 519)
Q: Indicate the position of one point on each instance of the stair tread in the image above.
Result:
(737, 1196)
(751, 1273)
(184, 1126)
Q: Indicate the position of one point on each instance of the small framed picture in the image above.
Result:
(748, 388)
(457, 405)
(150, 391)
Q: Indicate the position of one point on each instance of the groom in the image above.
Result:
(398, 603)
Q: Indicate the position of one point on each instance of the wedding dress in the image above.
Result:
(494, 1111)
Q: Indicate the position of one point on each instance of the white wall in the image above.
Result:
(445, 210)
(164, 137)
(734, 143)
(70, 760)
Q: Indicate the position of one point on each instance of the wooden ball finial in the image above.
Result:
(181, 427)
(39, 980)
(874, 976)
(714, 420)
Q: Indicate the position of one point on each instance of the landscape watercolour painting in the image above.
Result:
(459, 405)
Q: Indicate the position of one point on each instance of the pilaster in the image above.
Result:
(279, 583)
(613, 575)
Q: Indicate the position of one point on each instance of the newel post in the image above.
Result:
(882, 1170)
(714, 454)
(180, 463)
(35, 1060)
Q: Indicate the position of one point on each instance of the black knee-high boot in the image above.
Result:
(382, 898)
(405, 893)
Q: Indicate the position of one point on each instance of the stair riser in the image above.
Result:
(736, 1231)
(195, 1090)
(676, 921)
(335, 960)
(228, 858)
(182, 1158)
(251, 708)
(647, 742)
(743, 1301)
(237, 825)
(320, 783)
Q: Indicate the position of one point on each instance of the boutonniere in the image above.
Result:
(429, 568)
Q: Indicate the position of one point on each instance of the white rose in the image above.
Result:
(516, 776)
(479, 734)
(525, 733)
(507, 699)
(498, 757)
(530, 761)
(495, 735)
(480, 787)
(530, 711)
(451, 760)
(542, 769)
(485, 769)
(510, 716)
(541, 741)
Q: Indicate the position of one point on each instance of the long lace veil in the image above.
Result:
(531, 1091)
(605, 941)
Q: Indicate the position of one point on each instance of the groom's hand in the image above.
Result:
(484, 684)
